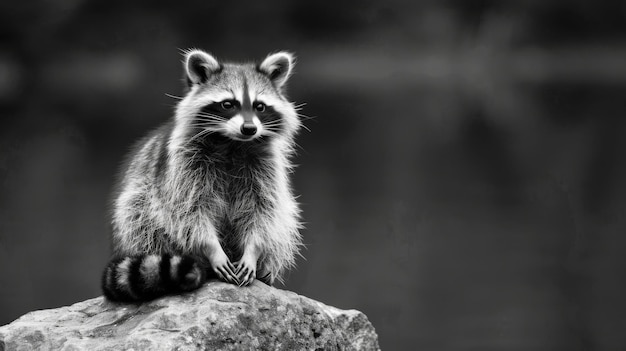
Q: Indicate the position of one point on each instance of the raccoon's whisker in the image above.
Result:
(174, 96)
(206, 122)
(217, 121)
(202, 133)
(298, 146)
(203, 122)
(206, 130)
(305, 117)
(270, 132)
(278, 124)
(205, 114)
(209, 114)
(212, 118)
(274, 131)
(204, 126)
(210, 122)
(274, 122)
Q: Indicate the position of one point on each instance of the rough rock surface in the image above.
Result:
(219, 316)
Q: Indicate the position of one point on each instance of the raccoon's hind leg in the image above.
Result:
(264, 275)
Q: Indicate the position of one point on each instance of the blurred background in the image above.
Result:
(463, 182)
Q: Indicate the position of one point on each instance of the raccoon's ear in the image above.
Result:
(199, 66)
(278, 67)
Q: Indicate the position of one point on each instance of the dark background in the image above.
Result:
(463, 182)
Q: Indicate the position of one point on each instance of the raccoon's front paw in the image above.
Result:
(246, 270)
(222, 266)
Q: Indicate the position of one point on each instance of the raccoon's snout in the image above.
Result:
(248, 129)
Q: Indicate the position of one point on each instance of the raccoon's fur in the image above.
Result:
(207, 195)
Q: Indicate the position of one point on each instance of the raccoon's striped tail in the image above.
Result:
(146, 277)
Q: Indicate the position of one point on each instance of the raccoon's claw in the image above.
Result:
(224, 269)
(247, 278)
(246, 272)
(226, 274)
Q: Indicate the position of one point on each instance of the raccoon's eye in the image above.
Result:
(227, 105)
(260, 107)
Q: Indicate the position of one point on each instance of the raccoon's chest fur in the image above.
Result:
(242, 176)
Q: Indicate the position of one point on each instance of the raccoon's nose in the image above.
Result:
(248, 129)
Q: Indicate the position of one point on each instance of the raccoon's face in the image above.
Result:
(240, 101)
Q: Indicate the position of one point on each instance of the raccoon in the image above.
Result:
(207, 195)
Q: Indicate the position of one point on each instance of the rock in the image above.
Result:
(218, 316)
